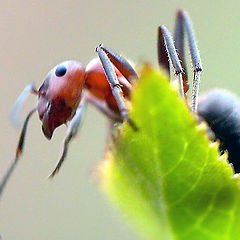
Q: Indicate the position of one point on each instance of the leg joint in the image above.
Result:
(116, 85)
(198, 69)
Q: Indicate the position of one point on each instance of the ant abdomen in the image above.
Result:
(221, 110)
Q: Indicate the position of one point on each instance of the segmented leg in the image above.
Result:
(76, 121)
(116, 88)
(120, 63)
(71, 133)
(101, 105)
(163, 59)
(183, 22)
(179, 44)
(19, 151)
(15, 113)
(172, 53)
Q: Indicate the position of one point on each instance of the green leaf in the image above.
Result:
(167, 178)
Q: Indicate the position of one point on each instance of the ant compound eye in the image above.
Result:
(60, 71)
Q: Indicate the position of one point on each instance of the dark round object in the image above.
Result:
(60, 71)
(221, 110)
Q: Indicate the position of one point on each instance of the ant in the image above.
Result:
(61, 97)
(107, 82)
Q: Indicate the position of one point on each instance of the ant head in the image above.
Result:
(59, 95)
(63, 78)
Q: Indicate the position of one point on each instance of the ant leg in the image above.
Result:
(15, 112)
(120, 63)
(113, 117)
(179, 44)
(71, 133)
(172, 53)
(184, 22)
(116, 88)
(8, 172)
(103, 108)
(163, 59)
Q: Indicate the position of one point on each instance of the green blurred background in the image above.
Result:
(35, 36)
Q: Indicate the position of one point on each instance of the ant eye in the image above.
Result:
(60, 71)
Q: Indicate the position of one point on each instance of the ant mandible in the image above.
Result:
(61, 98)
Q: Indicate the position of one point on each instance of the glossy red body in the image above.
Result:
(96, 82)
(59, 96)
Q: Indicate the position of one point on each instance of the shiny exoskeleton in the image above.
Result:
(61, 92)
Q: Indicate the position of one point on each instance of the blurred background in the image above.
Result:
(35, 36)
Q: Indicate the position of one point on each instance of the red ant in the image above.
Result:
(61, 98)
